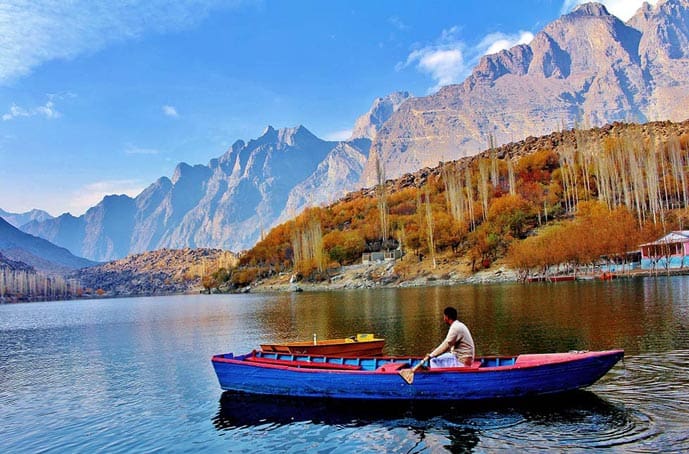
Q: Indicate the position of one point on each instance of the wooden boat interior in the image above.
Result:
(378, 364)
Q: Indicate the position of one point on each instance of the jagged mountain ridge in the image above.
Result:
(368, 124)
(224, 204)
(229, 202)
(586, 67)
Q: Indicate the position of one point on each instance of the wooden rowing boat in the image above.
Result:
(378, 378)
(359, 345)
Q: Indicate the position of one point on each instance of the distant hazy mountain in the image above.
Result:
(587, 67)
(37, 252)
(229, 202)
(19, 219)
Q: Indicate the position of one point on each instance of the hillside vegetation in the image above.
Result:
(568, 197)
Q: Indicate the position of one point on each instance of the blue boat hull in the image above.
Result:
(534, 375)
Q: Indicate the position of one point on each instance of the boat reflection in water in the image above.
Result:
(463, 424)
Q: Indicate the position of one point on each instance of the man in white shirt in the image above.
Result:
(458, 341)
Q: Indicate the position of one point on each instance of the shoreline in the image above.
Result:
(379, 275)
(356, 277)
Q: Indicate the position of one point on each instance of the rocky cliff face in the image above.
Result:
(368, 125)
(336, 175)
(587, 67)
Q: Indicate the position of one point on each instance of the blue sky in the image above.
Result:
(104, 97)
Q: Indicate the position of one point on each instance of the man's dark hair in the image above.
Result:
(451, 313)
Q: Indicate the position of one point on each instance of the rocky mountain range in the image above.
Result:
(587, 68)
(229, 202)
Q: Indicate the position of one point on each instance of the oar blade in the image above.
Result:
(407, 375)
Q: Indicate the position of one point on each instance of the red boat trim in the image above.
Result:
(300, 364)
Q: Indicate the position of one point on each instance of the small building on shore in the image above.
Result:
(668, 252)
(621, 263)
(380, 256)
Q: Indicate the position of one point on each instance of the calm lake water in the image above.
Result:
(134, 375)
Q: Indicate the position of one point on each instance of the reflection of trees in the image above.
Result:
(504, 319)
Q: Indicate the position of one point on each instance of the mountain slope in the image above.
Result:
(587, 67)
(368, 125)
(163, 271)
(37, 252)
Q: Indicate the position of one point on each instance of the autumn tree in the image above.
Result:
(344, 246)
(509, 214)
(381, 193)
(306, 239)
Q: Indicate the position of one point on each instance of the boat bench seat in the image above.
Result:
(391, 367)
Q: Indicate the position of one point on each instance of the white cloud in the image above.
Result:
(92, 193)
(47, 110)
(495, 42)
(131, 149)
(36, 31)
(446, 66)
(624, 9)
(339, 135)
(398, 24)
(443, 60)
(450, 60)
(170, 111)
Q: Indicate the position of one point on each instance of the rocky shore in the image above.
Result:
(382, 275)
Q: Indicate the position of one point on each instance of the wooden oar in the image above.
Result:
(408, 374)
